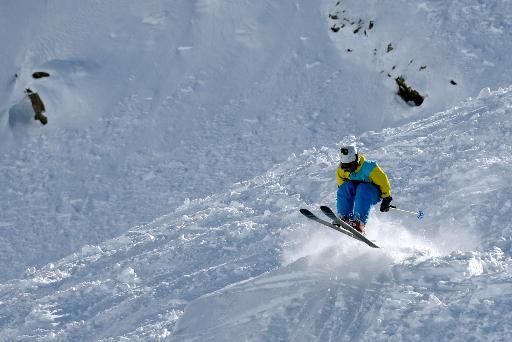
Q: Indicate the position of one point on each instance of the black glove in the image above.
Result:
(384, 205)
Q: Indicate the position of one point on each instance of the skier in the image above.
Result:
(361, 184)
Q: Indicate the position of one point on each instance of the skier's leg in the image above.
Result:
(345, 199)
(367, 194)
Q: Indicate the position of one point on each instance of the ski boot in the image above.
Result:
(358, 225)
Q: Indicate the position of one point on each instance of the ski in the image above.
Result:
(313, 217)
(343, 228)
(330, 214)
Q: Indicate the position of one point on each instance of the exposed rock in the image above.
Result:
(389, 48)
(407, 93)
(40, 74)
(37, 105)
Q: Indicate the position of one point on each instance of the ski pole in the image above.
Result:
(419, 214)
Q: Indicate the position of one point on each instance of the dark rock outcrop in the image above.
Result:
(40, 74)
(37, 105)
(407, 93)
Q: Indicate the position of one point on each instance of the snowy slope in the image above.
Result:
(430, 44)
(154, 102)
(245, 265)
(149, 104)
(443, 279)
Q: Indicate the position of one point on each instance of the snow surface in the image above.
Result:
(244, 264)
(216, 113)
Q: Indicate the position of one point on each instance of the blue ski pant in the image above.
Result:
(355, 199)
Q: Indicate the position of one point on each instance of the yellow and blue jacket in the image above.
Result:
(368, 171)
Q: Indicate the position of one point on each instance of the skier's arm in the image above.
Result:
(340, 176)
(379, 178)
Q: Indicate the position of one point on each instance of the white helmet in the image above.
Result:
(348, 154)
